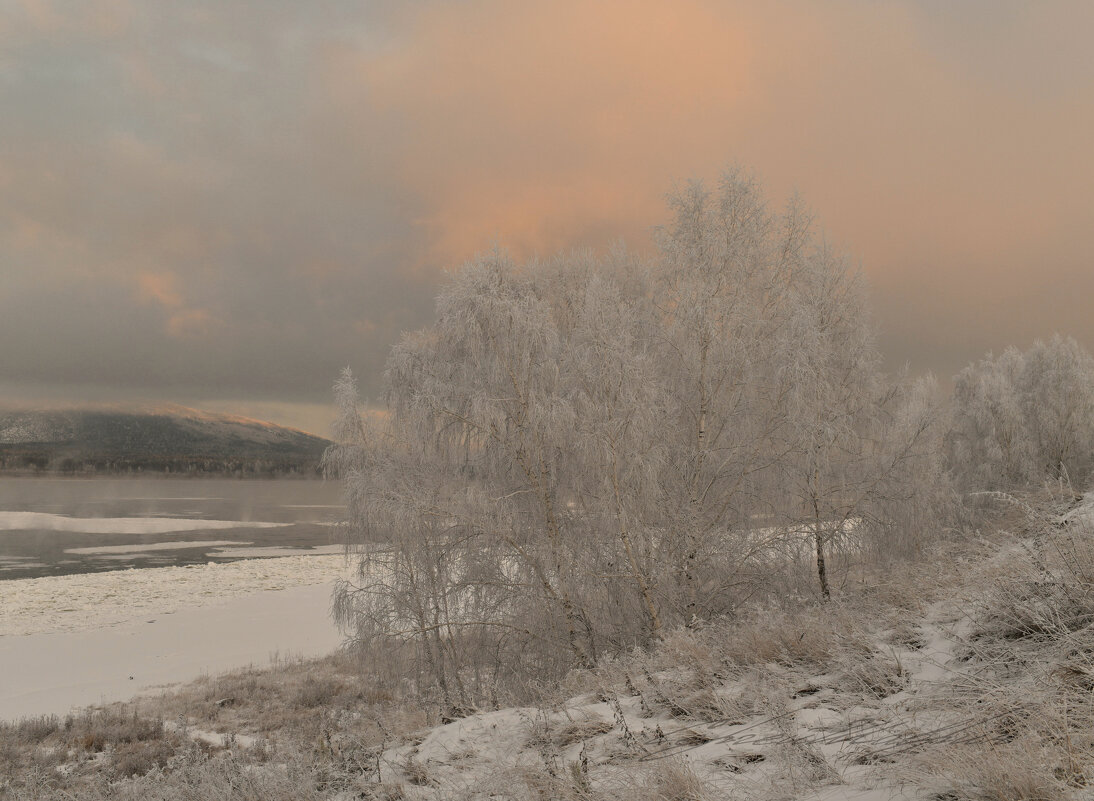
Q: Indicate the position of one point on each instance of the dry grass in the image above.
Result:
(319, 717)
(875, 676)
(1019, 771)
(129, 742)
(576, 731)
(197, 776)
(672, 780)
(93, 731)
(664, 780)
(1027, 682)
(808, 639)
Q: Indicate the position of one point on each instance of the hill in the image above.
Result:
(168, 439)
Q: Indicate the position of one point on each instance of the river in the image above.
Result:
(111, 586)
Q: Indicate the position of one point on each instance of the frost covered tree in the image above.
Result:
(1021, 418)
(579, 453)
(855, 438)
(728, 273)
(786, 413)
(506, 480)
(988, 441)
(866, 471)
(1057, 388)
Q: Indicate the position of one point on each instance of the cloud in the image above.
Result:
(947, 170)
(180, 320)
(161, 288)
(536, 124)
(235, 199)
(190, 324)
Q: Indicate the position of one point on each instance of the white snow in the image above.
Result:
(42, 521)
(213, 738)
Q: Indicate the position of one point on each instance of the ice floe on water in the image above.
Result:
(109, 550)
(21, 562)
(261, 552)
(96, 600)
(43, 521)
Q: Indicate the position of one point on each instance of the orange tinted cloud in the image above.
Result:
(161, 288)
(534, 123)
(182, 321)
(946, 171)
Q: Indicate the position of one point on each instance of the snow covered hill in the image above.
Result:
(164, 438)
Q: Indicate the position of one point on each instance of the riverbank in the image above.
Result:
(928, 680)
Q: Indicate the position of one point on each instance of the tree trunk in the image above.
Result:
(822, 570)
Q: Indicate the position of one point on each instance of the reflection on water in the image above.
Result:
(72, 530)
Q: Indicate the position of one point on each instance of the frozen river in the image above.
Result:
(53, 527)
(113, 586)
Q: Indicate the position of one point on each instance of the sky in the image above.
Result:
(221, 203)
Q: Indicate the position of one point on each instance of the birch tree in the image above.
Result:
(1056, 386)
(1021, 418)
(577, 454)
(728, 271)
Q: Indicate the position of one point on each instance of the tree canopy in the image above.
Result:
(580, 452)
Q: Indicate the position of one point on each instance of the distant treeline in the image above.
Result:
(24, 461)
